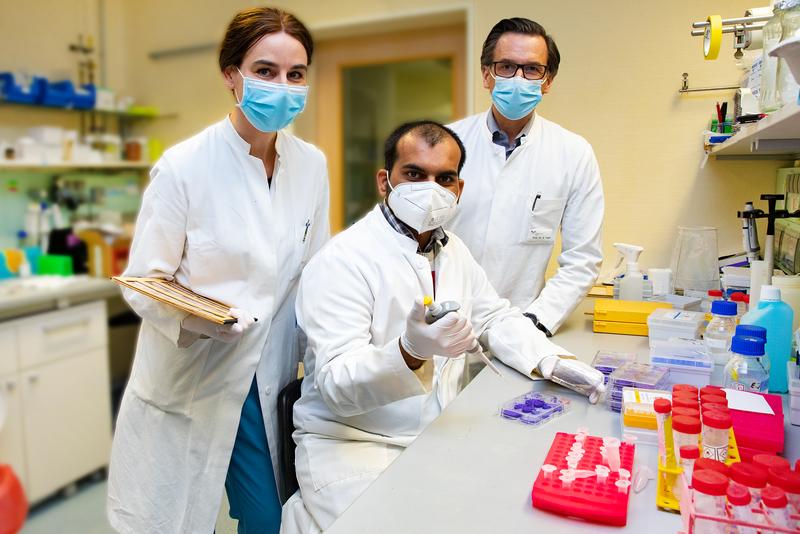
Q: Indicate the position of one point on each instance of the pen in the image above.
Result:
(537, 197)
(724, 114)
(305, 234)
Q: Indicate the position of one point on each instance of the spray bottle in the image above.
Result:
(631, 287)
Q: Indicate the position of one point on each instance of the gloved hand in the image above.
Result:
(574, 375)
(450, 336)
(227, 333)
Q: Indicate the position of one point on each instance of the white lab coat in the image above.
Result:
(361, 405)
(514, 244)
(209, 220)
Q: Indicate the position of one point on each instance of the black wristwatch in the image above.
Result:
(539, 325)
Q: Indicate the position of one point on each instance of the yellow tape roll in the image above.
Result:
(712, 39)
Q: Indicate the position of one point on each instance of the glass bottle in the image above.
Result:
(771, 32)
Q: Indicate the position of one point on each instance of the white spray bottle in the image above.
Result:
(631, 287)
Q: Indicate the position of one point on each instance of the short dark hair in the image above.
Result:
(526, 27)
(250, 25)
(431, 131)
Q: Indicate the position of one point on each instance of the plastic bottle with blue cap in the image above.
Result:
(720, 331)
(749, 368)
(776, 317)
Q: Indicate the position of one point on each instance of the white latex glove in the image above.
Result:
(227, 333)
(451, 336)
(574, 375)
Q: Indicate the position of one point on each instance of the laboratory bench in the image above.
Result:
(473, 471)
(56, 352)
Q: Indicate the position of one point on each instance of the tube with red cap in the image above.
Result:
(751, 476)
(776, 506)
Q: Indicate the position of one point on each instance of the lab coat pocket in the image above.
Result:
(542, 220)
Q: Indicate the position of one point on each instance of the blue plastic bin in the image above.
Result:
(84, 97)
(11, 90)
(59, 94)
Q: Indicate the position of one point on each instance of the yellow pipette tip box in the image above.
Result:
(626, 311)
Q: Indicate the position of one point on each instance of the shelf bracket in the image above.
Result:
(686, 89)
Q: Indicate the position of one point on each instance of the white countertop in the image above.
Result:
(472, 471)
(25, 296)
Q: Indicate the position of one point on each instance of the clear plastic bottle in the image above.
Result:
(720, 330)
(772, 31)
(790, 27)
(748, 369)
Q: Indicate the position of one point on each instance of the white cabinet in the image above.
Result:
(60, 422)
(12, 440)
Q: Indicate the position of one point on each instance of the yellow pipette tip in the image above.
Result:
(427, 300)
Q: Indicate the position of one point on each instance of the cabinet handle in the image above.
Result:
(33, 379)
(10, 385)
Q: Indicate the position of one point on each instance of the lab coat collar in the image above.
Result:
(385, 232)
(239, 144)
(533, 127)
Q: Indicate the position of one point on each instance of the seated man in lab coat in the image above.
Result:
(376, 373)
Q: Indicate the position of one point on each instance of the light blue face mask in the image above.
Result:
(516, 97)
(271, 106)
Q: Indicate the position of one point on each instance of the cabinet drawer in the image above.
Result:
(9, 362)
(49, 336)
(12, 444)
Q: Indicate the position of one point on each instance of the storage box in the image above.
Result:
(757, 432)
(607, 361)
(638, 375)
(637, 407)
(686, 359)
(615, 327)
(664, 324)
(626, 311)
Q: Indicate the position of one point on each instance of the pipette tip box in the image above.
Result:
(586, 498)
(607, 361)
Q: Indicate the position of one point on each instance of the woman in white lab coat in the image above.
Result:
(233, 213)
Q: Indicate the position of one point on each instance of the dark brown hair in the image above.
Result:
(250, 25)
(526, 27)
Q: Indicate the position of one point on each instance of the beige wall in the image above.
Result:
(621, 67)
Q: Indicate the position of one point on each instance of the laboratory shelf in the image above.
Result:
(774, 137)
(104, 112)
(110, 166)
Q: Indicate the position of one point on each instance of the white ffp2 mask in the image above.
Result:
(422, 205)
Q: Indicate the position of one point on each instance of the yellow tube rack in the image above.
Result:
(668, 474)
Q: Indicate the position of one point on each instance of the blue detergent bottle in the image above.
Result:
(776, 316)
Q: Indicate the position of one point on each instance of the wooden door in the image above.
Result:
(335, 55)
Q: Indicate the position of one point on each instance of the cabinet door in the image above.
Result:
(12, 444)
(67, 421)
(8, 350)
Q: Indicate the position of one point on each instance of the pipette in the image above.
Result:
(436, 311)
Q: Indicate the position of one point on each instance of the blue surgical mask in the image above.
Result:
(516, 97)
(271, 106)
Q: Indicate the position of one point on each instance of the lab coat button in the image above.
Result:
(267, 390)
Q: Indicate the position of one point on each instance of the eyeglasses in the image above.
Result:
(531, 71)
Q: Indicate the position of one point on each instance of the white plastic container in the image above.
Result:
(665, 323)
(793, 375)
(686, 359)
(790, 294)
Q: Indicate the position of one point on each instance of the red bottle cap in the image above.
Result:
(685, 387)
(712, 390)
(749, 475)
(788, 481)
(738, 495)
(715, 408)
(710, 482)
(662, 406)
(681, 402)
(690, 452)
(714, 292)
(772, 461)
(773, 497)
(713, 399)
(686, 425)
(691, 412)
(718, 420)
(707, 464)
(738, 297)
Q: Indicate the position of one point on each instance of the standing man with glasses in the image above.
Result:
(525, 179)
